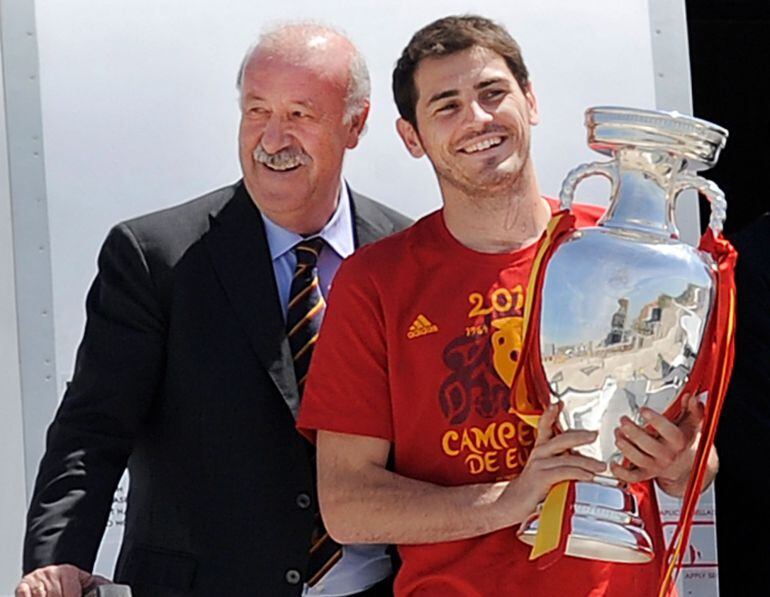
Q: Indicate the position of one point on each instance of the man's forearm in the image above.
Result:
(363, 502)
(385, 507)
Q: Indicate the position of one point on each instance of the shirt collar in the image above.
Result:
(338, 232)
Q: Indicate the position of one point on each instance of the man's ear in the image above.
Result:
(357, 126)
(529, 94)
(410, 137)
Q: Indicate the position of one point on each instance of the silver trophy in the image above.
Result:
(625, 305)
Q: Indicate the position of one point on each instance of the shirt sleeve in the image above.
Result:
(347, 390)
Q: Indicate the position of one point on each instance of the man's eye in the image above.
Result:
(257, 110)
(492, 94)
(299, 114)
(446, 108)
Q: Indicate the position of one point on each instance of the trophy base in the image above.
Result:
(605, 526)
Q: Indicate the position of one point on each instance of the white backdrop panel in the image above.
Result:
(140, 109)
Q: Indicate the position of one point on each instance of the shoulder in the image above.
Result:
(188, 219)
(385, 259)
(374, 220)
(166, 234)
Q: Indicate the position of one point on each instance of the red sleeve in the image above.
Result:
(347, 389)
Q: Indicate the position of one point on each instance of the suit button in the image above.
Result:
(303, 501)
(293, 576)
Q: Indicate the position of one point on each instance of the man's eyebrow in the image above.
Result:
(308, 103)
(487, 82)
(443, 95)
(454, 92)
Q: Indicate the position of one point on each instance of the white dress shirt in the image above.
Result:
(361, 566)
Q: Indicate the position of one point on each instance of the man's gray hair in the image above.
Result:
(359, 84)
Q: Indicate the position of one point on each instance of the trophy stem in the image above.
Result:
(644, 196)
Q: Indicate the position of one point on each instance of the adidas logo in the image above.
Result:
(421, 327)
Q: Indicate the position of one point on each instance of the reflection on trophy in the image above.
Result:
(625, 308)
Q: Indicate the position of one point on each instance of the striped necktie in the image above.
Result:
(303, 320)
(306, 307)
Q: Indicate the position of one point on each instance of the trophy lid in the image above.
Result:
(611, 128)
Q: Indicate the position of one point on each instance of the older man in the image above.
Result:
(200, 327)
(423, 334)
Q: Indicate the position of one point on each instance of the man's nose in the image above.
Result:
(274, 136)
(476, 113)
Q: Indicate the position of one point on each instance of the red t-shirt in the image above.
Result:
(419, 345)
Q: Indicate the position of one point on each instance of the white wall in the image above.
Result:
(12, 493)
(139, 107)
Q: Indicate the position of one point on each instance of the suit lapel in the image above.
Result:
(370, 223)
(241, 258)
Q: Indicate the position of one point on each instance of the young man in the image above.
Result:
(422, 341)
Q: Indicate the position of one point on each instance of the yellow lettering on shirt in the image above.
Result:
(501, 300)
(495, 448)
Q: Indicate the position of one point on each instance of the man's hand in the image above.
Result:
(665, 451)
(59, 580)
(552, 461)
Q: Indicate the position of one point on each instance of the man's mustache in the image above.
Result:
(289, 157)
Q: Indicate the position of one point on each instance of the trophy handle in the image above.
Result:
(711, 191)
(567, 193)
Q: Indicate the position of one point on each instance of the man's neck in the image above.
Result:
(498, 224)
(306, 219)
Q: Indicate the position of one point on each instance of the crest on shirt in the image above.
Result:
(481, 368)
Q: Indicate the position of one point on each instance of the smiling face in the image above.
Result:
(293, 132)
(473, 122)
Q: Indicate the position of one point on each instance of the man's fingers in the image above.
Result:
(63, 580)
(546, 423)
(695, 411)
(572, 460)
(566, 473)
(668, 431)
(71, 585)
(564, 442)
(94, 580)
(633, 454)
(652, 446)
(23, 590)
(626, 475)
(53, 585)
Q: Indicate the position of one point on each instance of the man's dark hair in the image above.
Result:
(448, 36)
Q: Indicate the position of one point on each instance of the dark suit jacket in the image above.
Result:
(184, 374)
(743, 437)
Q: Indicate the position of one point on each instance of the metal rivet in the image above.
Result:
(304, 501)
(293, 576)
